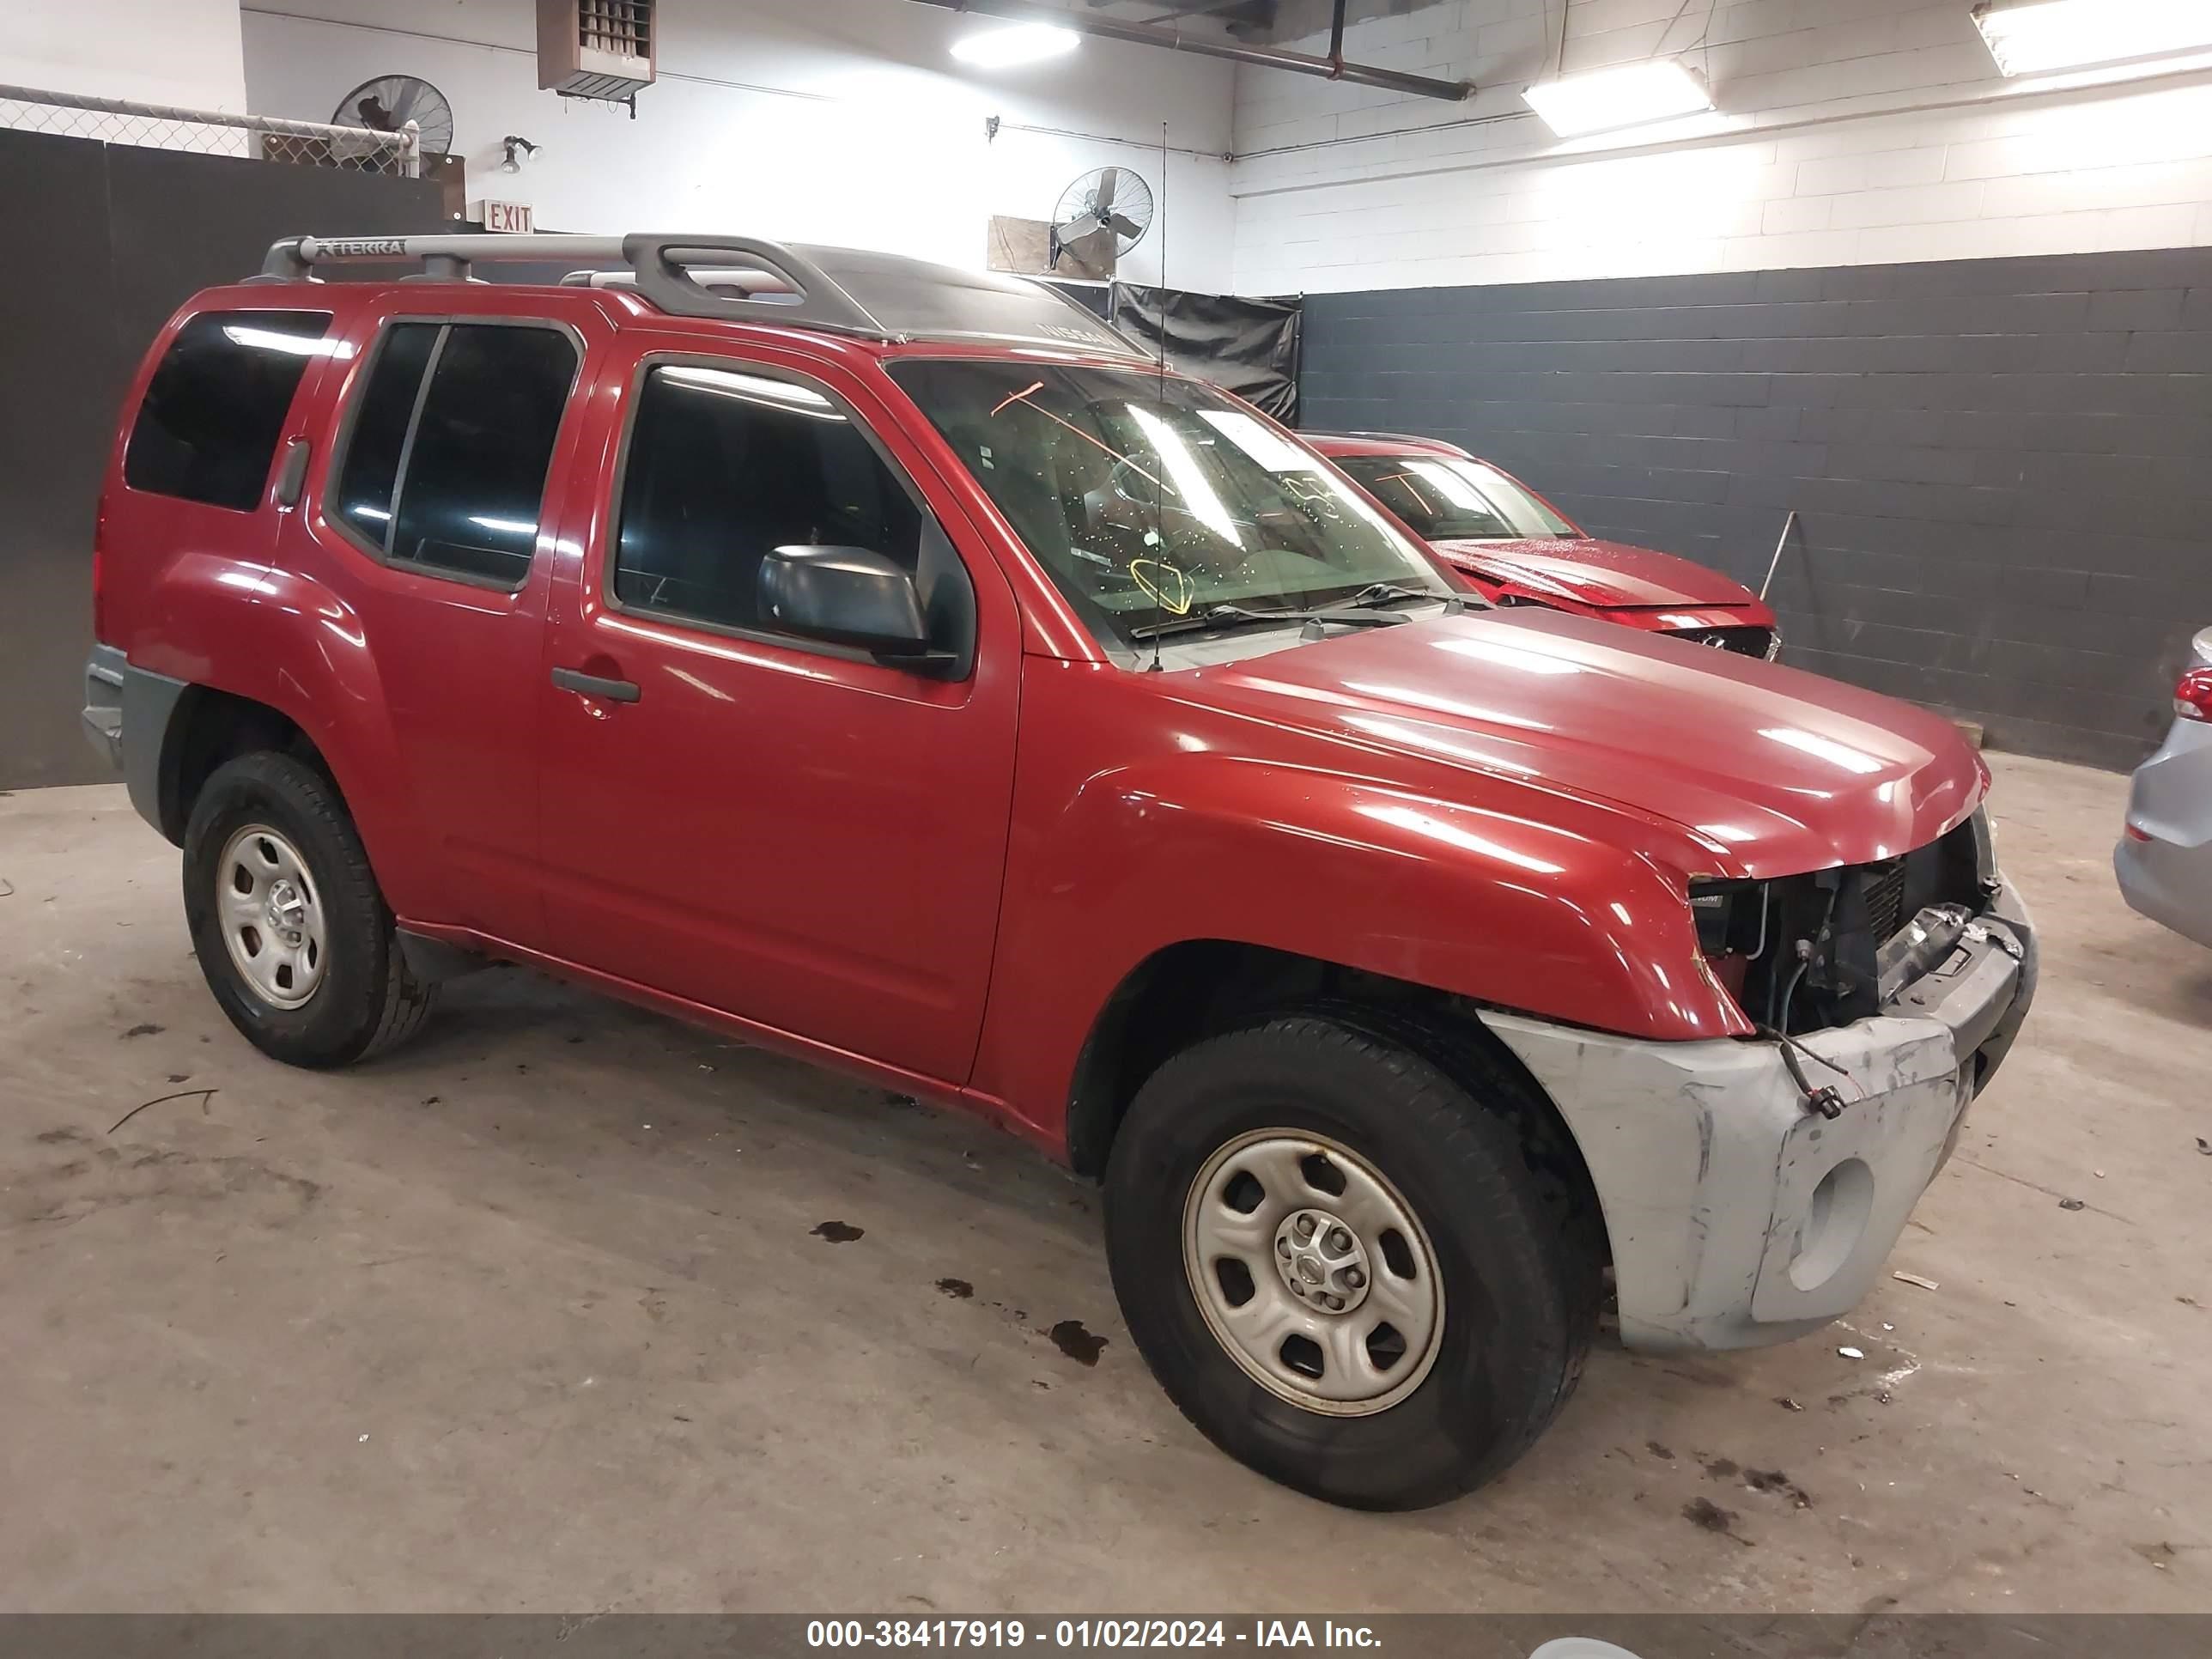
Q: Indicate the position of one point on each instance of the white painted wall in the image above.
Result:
(153, 51)
(837, 121)
(1850, 131)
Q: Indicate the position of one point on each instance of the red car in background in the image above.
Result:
(1518, 548)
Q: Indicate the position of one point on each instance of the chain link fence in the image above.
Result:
(210, 132)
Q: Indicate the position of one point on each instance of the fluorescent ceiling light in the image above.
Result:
(2029, 36)
(1625, 95)
(1024, 43)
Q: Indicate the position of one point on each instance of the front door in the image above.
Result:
(787, 831)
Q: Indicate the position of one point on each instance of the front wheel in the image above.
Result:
(291, 931)
(1345, 1269)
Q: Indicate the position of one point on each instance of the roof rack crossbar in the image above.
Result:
(661, 264)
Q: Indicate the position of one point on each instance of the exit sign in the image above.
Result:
(509, 218)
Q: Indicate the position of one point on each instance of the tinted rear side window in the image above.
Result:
(207, 429)
(476, 470)
(379, 430)
(451, 476)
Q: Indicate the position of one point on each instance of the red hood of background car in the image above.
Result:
(1772, 770)
(1602, 574)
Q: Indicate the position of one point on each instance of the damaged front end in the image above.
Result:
(1802, 953)
(1753, 1187)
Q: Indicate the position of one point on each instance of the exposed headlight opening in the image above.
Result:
(1808, 952)
(1731, 916)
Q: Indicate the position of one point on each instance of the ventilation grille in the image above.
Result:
(595, 48)
(622, 26)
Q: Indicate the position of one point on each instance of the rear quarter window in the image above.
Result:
(207, 429)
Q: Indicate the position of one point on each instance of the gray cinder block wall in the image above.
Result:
(2002, 468)
(115, 239)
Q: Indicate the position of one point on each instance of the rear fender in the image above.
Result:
(290, 643)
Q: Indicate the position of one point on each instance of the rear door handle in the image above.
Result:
(591, 685)
(293, 472)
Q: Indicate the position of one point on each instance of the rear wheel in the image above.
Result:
(291, 931)
(1349, 1271)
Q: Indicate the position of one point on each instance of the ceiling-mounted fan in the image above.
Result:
(1103, 200)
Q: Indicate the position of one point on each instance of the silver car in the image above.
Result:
(2164, 860)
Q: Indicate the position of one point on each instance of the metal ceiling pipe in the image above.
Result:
(1153, 34)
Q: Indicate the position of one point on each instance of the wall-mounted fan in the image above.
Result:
(1105, 202)
(389, 102)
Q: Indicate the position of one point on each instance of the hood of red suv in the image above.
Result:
(1772, 771)
(1602, 574)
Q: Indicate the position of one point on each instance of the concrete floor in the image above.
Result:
(536, 1315)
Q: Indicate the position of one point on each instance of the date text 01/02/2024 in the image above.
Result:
(1085, 1633)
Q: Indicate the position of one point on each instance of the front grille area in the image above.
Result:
(1881, 887)
(1816, 959)
(1744, 641)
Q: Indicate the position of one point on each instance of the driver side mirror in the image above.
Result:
(848, 596)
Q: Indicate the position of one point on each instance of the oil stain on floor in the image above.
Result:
(1078, 1344)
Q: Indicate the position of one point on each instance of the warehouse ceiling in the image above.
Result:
(1250, 20)
(1242, 31)
(1257, 20)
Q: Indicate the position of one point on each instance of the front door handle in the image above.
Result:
(591, 685)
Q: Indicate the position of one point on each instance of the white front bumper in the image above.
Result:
(1736, 1216)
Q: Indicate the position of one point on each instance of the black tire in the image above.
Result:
(366, 999)
(1517, 1245)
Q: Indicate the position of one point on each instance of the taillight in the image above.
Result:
(2192, 697)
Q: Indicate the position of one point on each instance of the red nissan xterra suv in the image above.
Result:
(890, 664)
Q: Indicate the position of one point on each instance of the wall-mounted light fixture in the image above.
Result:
(2028, 37)
(1623, 95)
(1020, 43)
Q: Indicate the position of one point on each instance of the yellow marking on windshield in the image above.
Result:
(1185, 589)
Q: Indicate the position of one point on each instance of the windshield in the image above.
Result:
(1448, 498)
(1149, 500)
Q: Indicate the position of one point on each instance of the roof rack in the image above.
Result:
(747, 278)
(658, 264)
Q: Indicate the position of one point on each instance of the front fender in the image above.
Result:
(1505, 909)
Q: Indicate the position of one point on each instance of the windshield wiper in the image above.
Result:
(1377, 594)
(1224, 618)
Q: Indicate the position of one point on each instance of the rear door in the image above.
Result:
(781, 830)
(429, 519)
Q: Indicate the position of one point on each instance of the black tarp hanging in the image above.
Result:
(1249, 347)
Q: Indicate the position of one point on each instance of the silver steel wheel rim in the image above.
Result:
(272, 916)
(1313, 1272)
